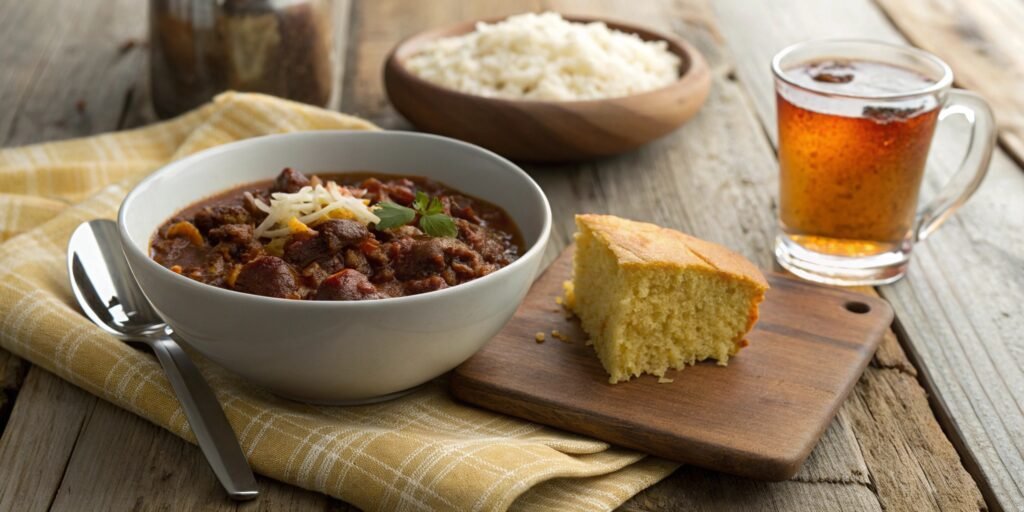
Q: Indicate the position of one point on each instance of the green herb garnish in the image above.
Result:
(433, 221)
(393, 215)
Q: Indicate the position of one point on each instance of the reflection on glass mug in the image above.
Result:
(855, 122)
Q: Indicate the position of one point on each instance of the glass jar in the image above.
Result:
(199, 48)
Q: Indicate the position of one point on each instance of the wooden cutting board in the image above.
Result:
(758, 417)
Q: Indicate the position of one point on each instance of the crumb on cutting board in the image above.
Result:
(665, 380)
(539, 337)
(555, 333)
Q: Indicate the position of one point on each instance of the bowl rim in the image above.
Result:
(128, 244)
(692, 59)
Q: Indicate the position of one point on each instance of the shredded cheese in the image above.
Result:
(289, 213)
(296, 226)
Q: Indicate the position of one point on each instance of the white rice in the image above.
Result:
(544, 57)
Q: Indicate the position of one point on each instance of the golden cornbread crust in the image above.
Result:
(653, 298)
(646, 243)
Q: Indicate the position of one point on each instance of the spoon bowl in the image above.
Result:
(105, 287)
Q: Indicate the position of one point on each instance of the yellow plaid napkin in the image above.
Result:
(421, 452)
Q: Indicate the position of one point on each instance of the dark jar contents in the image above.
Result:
(199, 48)
(218, 241)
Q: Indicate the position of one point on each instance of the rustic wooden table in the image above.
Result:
(937, 420)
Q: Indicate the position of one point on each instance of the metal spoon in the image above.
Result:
(108, 294)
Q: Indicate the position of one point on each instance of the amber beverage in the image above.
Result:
(855, 124)
(849, 184)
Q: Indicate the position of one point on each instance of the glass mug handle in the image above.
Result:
(973, 167)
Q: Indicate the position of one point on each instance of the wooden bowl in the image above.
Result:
(548, 131)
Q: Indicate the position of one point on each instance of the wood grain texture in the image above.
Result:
(693, 489)
(929, 476)
(37, 443)
(123, 462)
(73, 74)
(759, 417)
(548, 131)
(714, 178)
(12, 374)
(961, 307)
(982, 42)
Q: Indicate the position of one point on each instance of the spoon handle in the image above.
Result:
(206, 417)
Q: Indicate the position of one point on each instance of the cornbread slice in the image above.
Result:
(652, 298)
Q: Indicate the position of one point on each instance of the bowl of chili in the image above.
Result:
(337, 267)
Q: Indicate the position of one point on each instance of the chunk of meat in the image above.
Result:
(269, 276)
(373, 187)
(338, 234)
(429, 284)
(219, 215)
(377, 257)
(290, 181)
(461, 207)
(348, 284)
(303, 249)
(237, 240)
(491, 246)
(357, 260)
(240, 234)
(314, 274)
(177, 251)
(401, 191)
(332, 238)
(418, 258)
(423, 257)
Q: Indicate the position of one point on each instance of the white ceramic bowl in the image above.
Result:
(336, 352)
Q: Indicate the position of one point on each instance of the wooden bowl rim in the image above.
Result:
(692, 63)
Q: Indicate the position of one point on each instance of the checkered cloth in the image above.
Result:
(420, 452)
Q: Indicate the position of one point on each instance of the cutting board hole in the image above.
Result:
(857, 307)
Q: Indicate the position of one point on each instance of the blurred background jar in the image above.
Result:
(199, 48)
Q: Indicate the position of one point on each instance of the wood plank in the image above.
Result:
(123, 462)
(12, 374)
(38, 441)
(696, 490)
(25, 52)
(95, 456)
(924, 480)
(960, 307)
(75, 76)
(982, 42)
(806, 353)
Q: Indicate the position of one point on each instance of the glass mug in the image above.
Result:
(855, 123)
